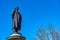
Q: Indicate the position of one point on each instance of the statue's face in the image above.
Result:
(16, 8)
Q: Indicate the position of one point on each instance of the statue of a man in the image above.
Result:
(16, 17)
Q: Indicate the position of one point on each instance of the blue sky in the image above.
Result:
(35, 13)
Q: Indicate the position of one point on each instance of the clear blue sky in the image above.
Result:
(35, 13)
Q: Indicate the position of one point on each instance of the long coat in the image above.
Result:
(16, 16)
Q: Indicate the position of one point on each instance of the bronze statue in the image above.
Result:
(16, 17)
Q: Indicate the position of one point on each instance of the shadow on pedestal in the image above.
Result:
(16, 37)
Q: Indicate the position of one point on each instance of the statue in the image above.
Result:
(16, 17)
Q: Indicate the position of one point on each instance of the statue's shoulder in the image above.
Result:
(19, 13)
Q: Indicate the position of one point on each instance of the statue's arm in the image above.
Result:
(13, 12)
(20, 18)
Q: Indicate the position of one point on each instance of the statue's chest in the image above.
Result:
(15, 15)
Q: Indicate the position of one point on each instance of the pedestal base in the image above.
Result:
(16, 37)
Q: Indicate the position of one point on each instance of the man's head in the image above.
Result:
(17, 8)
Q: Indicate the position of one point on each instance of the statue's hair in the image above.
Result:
(16, 8)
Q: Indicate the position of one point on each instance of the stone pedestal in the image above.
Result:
(16, 37)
